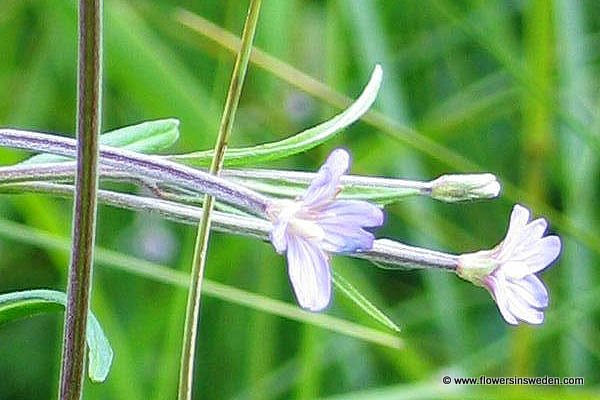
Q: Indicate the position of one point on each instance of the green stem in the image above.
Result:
(84, 214)
(452, 188)
(193, 305)
(148, 167)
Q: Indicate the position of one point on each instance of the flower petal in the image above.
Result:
(548, 250)
(536, 228)
(518, 221)
(534, 259)
(308, 268)
(522, 310)
(323, 188)
(496, 287)
(356, 212)
(529, 236)
(345, 238)
(515, 269)
(531, 289)
(278, 236)
(519, 215)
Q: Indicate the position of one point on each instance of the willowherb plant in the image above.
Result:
(307, 224)
(316, 223)
(305, 215)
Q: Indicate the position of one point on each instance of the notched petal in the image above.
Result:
(325, 185)
(551, 246)
(519, 216)
(537, 257)
(338, 162)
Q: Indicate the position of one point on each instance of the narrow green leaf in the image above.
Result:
(361, 301)
(26, 303)
(298, 143)
(147, 137)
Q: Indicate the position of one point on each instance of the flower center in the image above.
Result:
(299, 221)
(306, 228)
(475, 267)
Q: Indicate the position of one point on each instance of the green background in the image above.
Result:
(508, 87)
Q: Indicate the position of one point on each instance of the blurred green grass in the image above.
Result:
(503, 86)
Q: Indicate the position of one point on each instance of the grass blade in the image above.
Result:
(361, 301)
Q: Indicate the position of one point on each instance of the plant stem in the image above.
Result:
(306, 178)
(84, 214)
(395, 253)
(141, 165)
(248, 177)
(190, 333)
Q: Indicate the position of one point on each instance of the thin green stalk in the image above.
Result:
(84, 214)
(193, 305)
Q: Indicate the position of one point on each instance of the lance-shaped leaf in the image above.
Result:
(298, 143)
(147, 137)
(15, 305)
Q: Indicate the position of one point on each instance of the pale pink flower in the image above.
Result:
(509, 270)
(310, 227)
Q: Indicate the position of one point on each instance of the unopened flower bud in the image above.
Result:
(462, 187)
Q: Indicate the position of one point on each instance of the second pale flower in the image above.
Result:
(308, 228)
